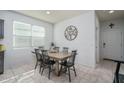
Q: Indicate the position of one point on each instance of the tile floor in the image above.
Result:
(103, 73)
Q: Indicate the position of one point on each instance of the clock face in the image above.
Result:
(71, 32)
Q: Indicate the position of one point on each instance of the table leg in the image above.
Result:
(116, 77)
(57, 68)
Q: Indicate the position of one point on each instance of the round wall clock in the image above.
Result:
(71, 33)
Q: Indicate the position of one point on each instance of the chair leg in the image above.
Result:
(74, 71)
(60, 70)
(52, 67)
(69, 74)
(114, 80)
(42, 70)
(36, 64)
(65, 68)
(49, 72)
(40, 67)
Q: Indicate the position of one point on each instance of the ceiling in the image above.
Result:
(54, 16)
(104, 15)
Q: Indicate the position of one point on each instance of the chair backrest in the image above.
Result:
(38, 55)
(56, 48)
(73, 56)
(65, 50)
(44, 52)
(41, 48)
(45, 56)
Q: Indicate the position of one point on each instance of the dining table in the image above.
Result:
(58, 57)
(116, 75)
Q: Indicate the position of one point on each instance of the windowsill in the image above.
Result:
(22, 48)
(25, 47)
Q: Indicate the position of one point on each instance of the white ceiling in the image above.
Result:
(104, 15)
(54, 16)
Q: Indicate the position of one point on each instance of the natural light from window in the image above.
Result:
(27, 35)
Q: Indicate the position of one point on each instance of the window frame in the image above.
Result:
(31, 36)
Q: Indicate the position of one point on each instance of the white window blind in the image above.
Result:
(26, 35)
(38, 36)
(22, 34)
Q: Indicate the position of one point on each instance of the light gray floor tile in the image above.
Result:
(103, 73)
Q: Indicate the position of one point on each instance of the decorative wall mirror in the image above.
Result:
(71, 32)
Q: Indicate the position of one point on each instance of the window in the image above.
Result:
(22, 34)
(27, 35)
(38, 35)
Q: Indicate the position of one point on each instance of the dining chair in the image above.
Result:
(70, 63)
(41, 48)
(42, 52)
(57, 48)
(38, 57)
(47, 63)
(65, 50)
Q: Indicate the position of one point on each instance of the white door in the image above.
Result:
(112, 45)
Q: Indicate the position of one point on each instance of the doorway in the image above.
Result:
(111, 44)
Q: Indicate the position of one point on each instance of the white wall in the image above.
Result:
(85, 41)
(17, 57)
